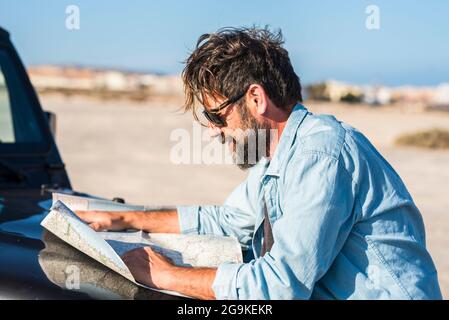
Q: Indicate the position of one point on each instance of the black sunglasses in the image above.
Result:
(213, 115)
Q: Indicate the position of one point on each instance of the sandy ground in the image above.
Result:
(123, 149)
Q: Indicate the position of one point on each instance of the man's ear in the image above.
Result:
(257, 99)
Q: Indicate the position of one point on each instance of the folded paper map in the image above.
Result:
(107, 247)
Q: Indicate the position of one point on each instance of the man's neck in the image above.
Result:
(279, 127)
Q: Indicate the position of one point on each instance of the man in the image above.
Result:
(323, 214)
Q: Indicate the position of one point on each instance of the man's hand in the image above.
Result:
(104, 220)
(159, 221)
(149, 267)
(154, 270)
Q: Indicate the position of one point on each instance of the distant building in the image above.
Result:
(413, 95)
(112, 80)
(334, 91)
(422, 97)
(441, 96)
(163, 85)
(52, 77)
(103, 80)
(376, 95)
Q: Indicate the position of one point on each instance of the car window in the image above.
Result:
(17, 121)
(6, 128)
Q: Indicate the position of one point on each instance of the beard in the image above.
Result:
(252, 142)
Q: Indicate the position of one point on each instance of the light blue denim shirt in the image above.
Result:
(344, 224)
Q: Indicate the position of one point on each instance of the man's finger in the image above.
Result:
(137, 252)
(80, 213)
(95, 225)
(84, 215)
(148, 250)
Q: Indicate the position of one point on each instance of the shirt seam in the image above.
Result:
(309, 274)
(356, 185)
(341, 138)
(381, 258)
(340, 165)
(189, 230)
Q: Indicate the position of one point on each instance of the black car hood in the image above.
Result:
(34, 264)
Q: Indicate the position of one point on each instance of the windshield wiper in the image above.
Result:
(9, 173)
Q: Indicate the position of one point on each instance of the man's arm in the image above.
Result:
(154, 270)
(160, 221)
(235, 218)
(148, 267)
(316, 221)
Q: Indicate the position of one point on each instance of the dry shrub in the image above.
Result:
(432, 139)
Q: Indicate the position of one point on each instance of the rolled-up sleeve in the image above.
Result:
(188, 219)
(318, 200)
(217, 220)
(235, 218)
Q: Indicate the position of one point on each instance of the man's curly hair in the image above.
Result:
(226, 62)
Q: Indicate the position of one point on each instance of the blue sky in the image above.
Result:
(326, 39)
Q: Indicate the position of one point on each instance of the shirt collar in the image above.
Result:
(285, 142)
